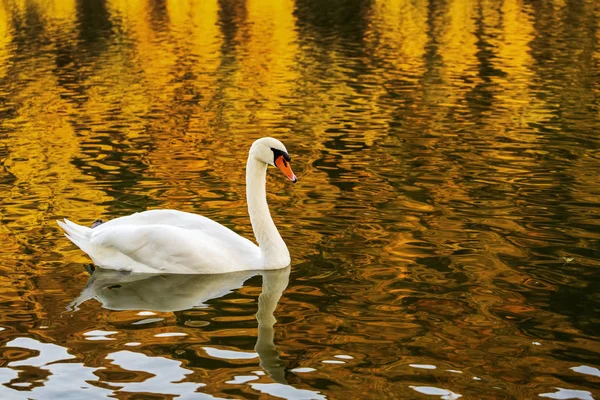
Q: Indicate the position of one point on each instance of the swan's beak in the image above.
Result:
(286, 168)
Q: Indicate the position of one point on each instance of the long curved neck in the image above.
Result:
(272, 246)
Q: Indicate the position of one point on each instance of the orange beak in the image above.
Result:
(285, 167)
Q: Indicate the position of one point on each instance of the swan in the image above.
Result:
(171, 241)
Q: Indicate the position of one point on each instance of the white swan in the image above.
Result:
(169, 241)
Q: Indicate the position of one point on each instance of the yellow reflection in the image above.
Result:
(458, 41)
(57, 10)
(454, 30)
(198, 22)
(134, 16)
(193, 46)
(5, 41)
(514, 58)
(62, 10)
(517, 33)
(268, 49)
(398, 33)
(42, 142)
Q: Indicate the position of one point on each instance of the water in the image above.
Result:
(444, 233)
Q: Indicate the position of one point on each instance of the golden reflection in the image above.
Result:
(398, 31)
(514, 58)
(190, 47)
(458, 40)
(134, 17)
(267, 82)
(200, 23)
(64, 10)
(518, 32)
(455, 29)
(5, 41)
(43, 143)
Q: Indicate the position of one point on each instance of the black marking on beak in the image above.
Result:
(277, 153)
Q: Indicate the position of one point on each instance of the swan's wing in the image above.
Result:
(174, 249)
(173, 218)
(152, 217)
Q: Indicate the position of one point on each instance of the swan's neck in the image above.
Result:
(274, 251)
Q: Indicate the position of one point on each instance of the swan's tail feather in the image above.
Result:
(79, 235)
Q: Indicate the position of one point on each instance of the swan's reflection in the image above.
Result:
(118, 290)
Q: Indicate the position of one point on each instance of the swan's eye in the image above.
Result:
(278, 153)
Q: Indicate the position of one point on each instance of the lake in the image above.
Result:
(444, 232)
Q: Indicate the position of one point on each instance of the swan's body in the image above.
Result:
(165, 241)
(178, 242)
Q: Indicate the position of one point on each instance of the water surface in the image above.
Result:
(445, 233)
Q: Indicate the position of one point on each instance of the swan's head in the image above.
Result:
(272, 152)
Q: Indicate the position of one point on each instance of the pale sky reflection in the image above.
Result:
(167, 375)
